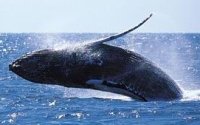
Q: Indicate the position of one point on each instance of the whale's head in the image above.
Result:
(44, 66)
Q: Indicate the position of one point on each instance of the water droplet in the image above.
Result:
(111, 113)
(78, 115)
(11, 121)
(137, 115)
(4, 50)
(61, 116)
(2, 99)
(13, 115)
(52, 103)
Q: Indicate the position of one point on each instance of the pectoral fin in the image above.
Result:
(123, 33)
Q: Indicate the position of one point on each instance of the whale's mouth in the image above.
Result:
(26, 68)
(16, 67)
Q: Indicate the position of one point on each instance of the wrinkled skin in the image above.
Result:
(73, 68)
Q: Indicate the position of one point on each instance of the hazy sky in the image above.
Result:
(99, 15)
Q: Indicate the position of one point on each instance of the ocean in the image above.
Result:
(26, 103)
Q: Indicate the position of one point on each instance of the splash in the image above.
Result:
(57, 42)
(191, 95)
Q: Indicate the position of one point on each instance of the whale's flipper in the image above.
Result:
(113, 87)
(123, 33)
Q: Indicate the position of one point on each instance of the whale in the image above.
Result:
(99, 66)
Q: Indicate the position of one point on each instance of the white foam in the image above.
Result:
(191, 95)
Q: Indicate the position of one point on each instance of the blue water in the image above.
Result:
(23, 102)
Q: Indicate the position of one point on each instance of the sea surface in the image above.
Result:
(26, 103)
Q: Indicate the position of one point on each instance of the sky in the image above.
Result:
(99, 16)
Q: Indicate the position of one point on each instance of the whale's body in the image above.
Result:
(99, 66)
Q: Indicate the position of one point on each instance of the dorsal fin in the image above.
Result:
(121, 34)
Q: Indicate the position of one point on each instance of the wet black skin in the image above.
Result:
(72, 68)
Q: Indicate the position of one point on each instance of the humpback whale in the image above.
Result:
(97, 65)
